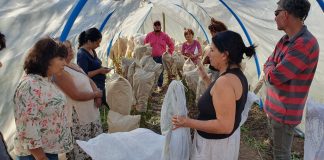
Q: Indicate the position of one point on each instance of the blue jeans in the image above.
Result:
(159, 60)
(30, 157)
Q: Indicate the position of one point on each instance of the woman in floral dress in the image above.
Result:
(41, 123)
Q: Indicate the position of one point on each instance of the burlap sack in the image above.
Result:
(168, 63)
(125, 63)
(142, 50)
(201, 87)
(122, 123)
(190, 74)
(173, 63)
(149, 65)
(142, 85)
(131, 71)
(130, 47)
(188, 66)
(119, 48)
(178, 60)
(119, 94)
(139, 39)
(192, 78)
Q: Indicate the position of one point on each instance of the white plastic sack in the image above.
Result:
(314, 131)
(178, 142)
(251, 99)
(139, 144)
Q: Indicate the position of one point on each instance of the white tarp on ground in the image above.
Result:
(138, 144)
(25, 21)
(314, 133)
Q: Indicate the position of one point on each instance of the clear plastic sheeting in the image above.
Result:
(25, 21)
(139, 144)
(177, 143)
(251, 99)
(314, 134)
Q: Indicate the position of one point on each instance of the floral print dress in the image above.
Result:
(40, 117)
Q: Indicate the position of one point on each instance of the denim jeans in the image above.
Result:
(30, 157)
(4, 155)
(159, 60)
(282, 135)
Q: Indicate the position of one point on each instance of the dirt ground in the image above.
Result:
(255, 135)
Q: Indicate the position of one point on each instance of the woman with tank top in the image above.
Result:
(222, 103)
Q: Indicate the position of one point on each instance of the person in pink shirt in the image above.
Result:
(159, 42)
(191, 48)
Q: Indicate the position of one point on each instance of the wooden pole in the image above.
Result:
(163, 16)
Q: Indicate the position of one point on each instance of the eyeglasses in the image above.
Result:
(277, 12)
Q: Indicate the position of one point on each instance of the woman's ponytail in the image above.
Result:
(249, 51)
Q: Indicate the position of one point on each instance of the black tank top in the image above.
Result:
(207, 110)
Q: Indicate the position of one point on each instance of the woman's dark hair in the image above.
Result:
(2, 41)
(40, 55)
(216, 26)
(188, 31)
(92, 35)
(232, 42)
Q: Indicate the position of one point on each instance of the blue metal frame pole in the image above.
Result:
(71, 19)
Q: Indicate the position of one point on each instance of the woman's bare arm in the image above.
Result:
(66, 83)
(224, 102)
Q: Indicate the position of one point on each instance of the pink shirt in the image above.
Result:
(189, 50)
(158, 43)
